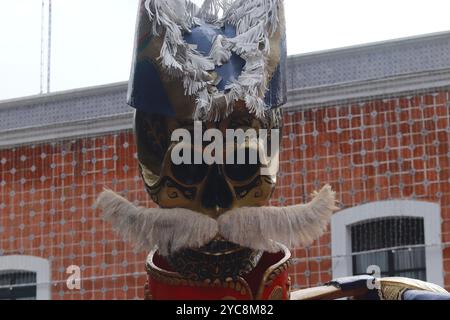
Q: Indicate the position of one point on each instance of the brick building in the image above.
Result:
(372, 120)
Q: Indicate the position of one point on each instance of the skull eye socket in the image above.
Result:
(190, 174)
(243, 170)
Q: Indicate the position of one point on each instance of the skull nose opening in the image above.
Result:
(216, 194)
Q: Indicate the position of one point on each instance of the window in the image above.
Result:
(17, 285)
(394, 244)
(24, 277)
(403, 237)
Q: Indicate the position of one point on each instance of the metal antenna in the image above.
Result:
(46, 38)
(49, 49)
(42, 46)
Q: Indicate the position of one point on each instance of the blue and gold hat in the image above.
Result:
(197, 61)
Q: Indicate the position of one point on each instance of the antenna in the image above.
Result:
(46, 45)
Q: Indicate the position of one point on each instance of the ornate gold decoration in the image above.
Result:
(388, 292)
(288, 288)
(275, 270)
(277, 293)
(147, 293)
(393, 288)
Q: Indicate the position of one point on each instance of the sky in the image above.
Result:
(92, 40)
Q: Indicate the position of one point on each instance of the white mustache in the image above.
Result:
(257, 228)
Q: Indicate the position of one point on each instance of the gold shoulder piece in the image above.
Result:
(394, 287)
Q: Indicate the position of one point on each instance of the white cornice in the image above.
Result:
(91, 127)
(368, 90)
(393, 43)
(62, 95)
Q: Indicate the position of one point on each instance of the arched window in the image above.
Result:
(24, 277)
(402, 237)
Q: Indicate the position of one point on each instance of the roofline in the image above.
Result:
(74, 93)
(370, 45)
(62, 95)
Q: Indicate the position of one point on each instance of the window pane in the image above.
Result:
(364, 260)
(387, 233)
(409, 259)
(17, 285)
(400, 236)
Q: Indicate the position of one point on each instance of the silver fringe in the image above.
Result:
(255, 21)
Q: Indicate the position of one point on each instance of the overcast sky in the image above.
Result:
(93, 39)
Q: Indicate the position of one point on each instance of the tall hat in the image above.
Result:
(198, 61)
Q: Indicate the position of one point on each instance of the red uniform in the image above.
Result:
(268, 281)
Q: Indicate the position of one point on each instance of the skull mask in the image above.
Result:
(207, 189)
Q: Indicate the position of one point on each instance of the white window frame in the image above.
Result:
(33, 264)
(342, 221)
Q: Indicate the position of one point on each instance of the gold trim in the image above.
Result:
(391, 292)
(393, 288)
(277, 293)
(288, 288)
(147, 294)
(274, 271)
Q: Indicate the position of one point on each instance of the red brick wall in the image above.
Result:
(393, 149)
(379, 150)
(47, 192)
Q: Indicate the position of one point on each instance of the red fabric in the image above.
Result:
(160, 290)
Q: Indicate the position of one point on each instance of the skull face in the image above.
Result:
(207, 189)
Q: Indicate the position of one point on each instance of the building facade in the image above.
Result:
(373, 121)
